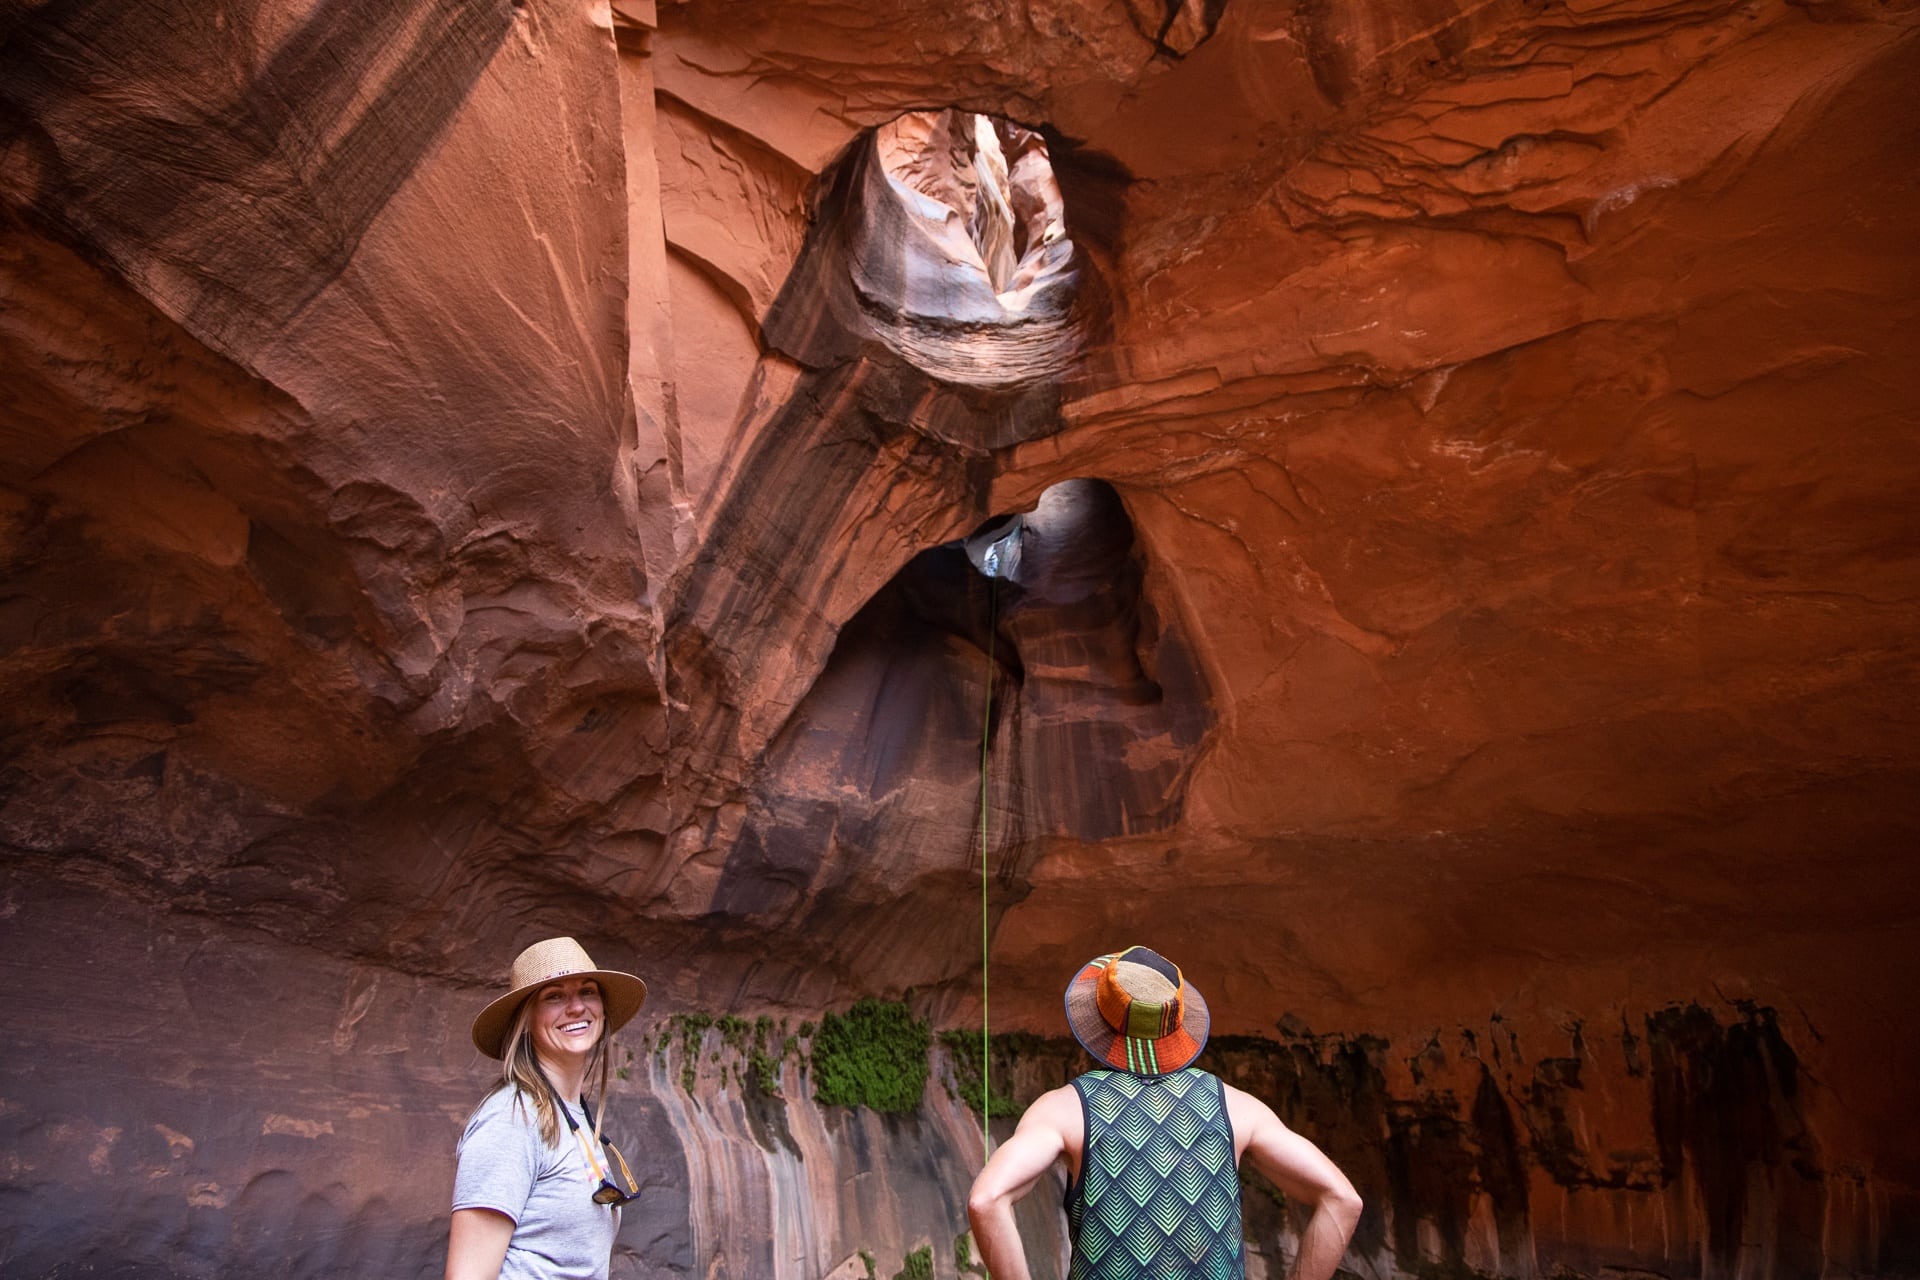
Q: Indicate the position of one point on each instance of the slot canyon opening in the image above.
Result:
(1106, 701)
(964, 172)
(1099, 705)
(952, 230)
(963, 252)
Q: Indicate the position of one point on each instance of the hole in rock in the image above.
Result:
(1106, 701)
(1099, 703)
(1077, 539)
(956, 245)
(983, 188)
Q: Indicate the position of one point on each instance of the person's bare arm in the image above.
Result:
(1041, 1139)
(1303, 1172)
(477, 1244)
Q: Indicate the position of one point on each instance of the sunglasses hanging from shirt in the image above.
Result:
(615, 1184)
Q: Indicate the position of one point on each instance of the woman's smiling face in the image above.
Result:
(568, 1017)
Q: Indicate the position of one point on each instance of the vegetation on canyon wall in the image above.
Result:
(963, 1049)
(874, 1055)
(918, 1265)
(963, 1262)
(757, 1048)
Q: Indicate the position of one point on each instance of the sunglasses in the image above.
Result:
(614, 1189)
(616, 1181)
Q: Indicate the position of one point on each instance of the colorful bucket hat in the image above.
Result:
(1134, 1012)
(544, 962)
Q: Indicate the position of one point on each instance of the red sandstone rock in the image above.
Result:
(479, 471)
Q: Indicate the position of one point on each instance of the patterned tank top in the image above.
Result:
(1158, 1196)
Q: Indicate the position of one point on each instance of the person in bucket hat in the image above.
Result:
(537, 1190)
(1153, 1145)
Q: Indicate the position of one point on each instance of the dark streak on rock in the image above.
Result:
(1726, 1104)
(1725, 1100)
(236, 212)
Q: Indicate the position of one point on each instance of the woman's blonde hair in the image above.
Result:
(520, 1070)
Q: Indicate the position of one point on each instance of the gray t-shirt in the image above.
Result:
(559, 1233)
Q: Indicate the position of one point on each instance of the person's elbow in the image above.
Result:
(1344, 1205)
(983, 1204)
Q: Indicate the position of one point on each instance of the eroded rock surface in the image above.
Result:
(478, 471)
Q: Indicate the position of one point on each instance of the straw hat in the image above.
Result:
(1134, 1012)
(544, 962)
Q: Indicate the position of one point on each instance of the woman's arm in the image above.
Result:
(477, 1244)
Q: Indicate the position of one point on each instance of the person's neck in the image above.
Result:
(567, 1078)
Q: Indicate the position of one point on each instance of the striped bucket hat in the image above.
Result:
(1134, 1012)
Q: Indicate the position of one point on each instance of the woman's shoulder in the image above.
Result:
(505, 1110)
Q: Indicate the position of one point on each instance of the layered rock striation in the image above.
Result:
(1406, 509)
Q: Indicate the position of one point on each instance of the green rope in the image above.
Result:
(986, 742)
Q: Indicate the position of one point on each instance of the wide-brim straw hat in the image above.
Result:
(1134, 1012)
(621, 994)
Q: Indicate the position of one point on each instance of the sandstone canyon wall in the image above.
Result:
(1428, 488)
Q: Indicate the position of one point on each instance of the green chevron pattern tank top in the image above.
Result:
(1159, 1195)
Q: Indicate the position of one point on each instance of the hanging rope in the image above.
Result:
(986, 744)
(998, 559)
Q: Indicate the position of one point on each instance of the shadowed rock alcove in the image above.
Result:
(865, 826)
(474, 472)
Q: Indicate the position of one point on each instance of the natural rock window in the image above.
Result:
(1110, 704)
(984, 190)
(962, 260)
(1099, 709)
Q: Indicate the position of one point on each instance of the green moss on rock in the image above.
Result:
(692, 1029)
(963, 1261)
(874, 1055)
(963, 1048)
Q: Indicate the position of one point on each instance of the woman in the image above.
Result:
(537, 1193)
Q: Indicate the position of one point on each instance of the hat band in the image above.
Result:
(1142, 1057)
